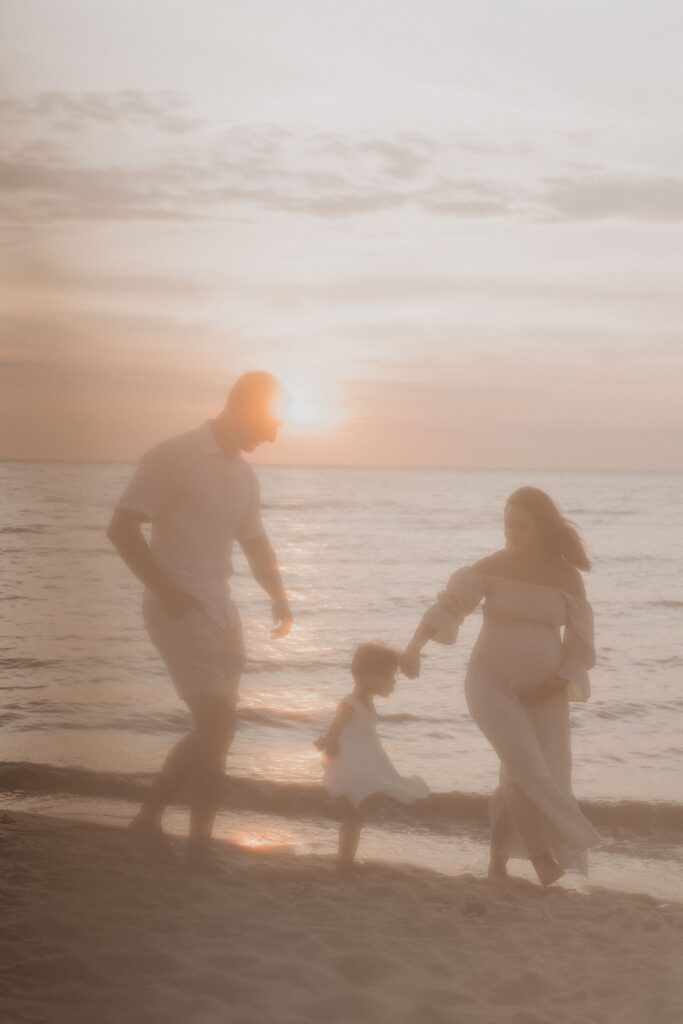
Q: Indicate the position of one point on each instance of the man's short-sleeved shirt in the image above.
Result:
(198, 502)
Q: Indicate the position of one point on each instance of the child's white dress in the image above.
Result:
(362, 766)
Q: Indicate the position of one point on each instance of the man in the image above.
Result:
(199, 495)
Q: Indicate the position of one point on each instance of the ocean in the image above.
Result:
(88, 712)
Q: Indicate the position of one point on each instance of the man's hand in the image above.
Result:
(283, 619)
(410, 663)
(546, 690)
(264, 568)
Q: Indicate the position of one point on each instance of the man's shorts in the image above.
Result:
(201, 657)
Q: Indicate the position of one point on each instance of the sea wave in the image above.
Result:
(608, 512)
(14, 663)
(21, 529)
(72, 715)
(443, 813)
(401, 717)
(289, 665)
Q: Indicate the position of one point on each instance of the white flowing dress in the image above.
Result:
(520, 644)
(362, 767)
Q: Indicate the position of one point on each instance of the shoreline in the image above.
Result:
(95, 931)
(373, 467)
(443, 812)
(641, 865)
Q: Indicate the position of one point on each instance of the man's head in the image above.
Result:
(251, 409)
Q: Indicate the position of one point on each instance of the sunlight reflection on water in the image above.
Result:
(363, 551)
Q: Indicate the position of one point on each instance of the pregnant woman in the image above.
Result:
(522, 674)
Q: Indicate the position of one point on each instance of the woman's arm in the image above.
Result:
(410, 659)
(463, 592)
(330, 741)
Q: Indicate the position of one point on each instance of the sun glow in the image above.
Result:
(309, 407)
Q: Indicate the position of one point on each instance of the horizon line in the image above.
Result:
(373, 466)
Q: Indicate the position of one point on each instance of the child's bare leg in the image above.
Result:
(349, 835)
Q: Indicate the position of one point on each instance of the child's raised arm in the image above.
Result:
(330, 741)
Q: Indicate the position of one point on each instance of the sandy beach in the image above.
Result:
(94, 931)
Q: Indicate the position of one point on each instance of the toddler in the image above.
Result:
(356, 764)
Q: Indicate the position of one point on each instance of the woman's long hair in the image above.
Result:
(558, 534)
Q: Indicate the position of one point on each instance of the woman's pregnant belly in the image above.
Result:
(518, 654)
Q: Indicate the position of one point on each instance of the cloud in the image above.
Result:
(134, 174)
(75, 111)
(655, 199)
(385, 290)
(51, 176)
(55, 191)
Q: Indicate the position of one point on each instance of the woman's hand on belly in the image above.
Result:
(551, 687)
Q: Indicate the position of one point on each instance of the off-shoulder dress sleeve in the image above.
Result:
(463, 592)
(578, 645)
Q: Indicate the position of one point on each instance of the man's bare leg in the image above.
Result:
(146, 827)
(174, 773)
(215, 719)
(197, 760)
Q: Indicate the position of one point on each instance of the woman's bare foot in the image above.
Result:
(498, 868)
(547, 869)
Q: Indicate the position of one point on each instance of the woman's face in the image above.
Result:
(521, 532)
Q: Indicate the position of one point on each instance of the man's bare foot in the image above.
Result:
(547, 869)
(498, 869)
(152, 840)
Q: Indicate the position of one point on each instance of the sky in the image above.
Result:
(452, 229)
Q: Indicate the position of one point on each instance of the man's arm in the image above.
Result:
(265, 570)
(126, 535)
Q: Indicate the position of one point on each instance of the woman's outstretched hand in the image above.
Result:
(410, 663)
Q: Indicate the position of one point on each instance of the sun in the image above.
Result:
(308, 406)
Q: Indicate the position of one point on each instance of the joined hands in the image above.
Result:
(410, 663)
